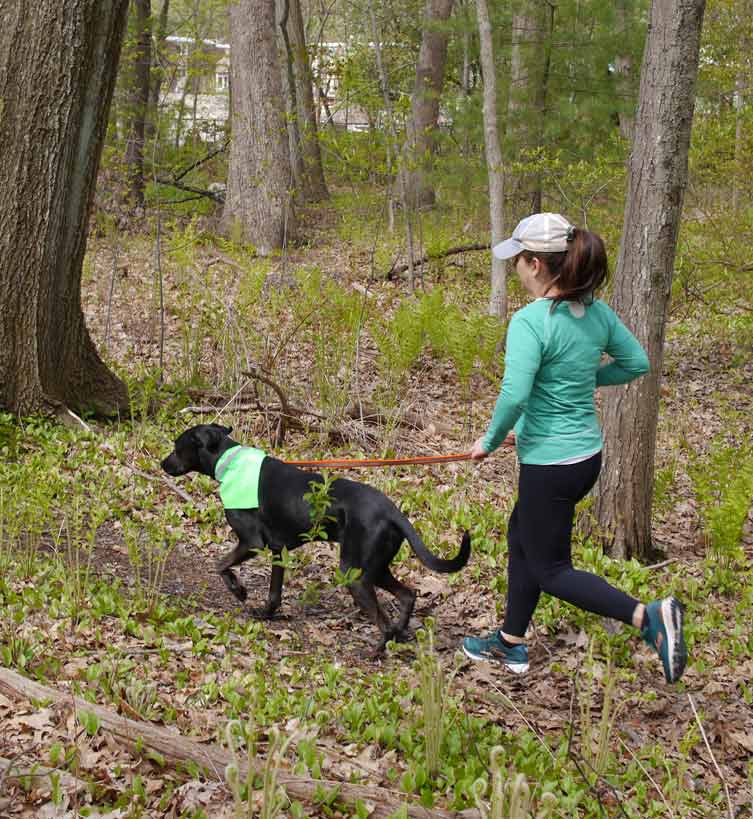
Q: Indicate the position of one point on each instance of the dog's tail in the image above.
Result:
(430, 560)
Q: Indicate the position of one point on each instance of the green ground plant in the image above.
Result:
(273, 798)
(509, 794)
(434, 686)
(179, 661)
(723, 486)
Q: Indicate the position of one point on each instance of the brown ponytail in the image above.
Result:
(578, 271)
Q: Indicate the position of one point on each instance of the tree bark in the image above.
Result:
(290, 93)
(643, 277)
(58, 60)
(138, 102)
(526, 107)
(315, 187)
(157, 74)
(424, 120)
(258, 207)
(623, 68)
(498, 299)
(212, 758)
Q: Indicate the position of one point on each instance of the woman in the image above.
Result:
(553, 363)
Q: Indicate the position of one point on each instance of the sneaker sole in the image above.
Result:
(672, 617)
(516, 668)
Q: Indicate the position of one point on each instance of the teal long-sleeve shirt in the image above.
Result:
(553, 364)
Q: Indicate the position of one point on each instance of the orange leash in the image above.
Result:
(345, 463)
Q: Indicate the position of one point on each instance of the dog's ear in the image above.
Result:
(209, 436)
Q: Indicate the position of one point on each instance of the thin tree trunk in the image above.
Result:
(58, 61)
(498, 299)
(643, 277)
(424, 121)
(290, 92)
(742, 78)
(258, 206)
(526, 106)
(315, 186)
(740, 84)
(623, 67)
(157, 73)
(139, 100)
(393, 145)
(465, 79)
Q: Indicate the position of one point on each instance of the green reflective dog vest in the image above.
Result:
(238, 472)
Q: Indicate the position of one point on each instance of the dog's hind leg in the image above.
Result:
(275, 592)
(365, 598)
(406, 599)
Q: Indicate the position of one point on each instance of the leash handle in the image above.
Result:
(345, 463)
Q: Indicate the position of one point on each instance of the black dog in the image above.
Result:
(366, 524)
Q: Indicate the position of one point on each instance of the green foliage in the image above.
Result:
(665, 486)
(434, 686)
(273, 797)
(595, 737)
(334, 318)
(723, 487)
(509, 797)
(319, 500)
(466, 337)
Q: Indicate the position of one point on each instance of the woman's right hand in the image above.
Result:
(478, 453)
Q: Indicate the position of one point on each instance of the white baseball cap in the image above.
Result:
(540, 233)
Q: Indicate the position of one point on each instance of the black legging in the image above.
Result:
(539, 536)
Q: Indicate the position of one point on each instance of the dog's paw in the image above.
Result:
(240, 593)
(377, 652)
(263, 613)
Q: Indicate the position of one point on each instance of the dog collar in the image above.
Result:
(227, 457)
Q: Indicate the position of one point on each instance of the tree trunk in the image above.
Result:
(157, 75)
(58, 60)
(623, 68)
(393, 148)
(258, 206)
(138, 102)
(498, 299)
(290, 94)
(526, 108)
(643, 277)
(424, 121)
(740, 181)
(315, 186)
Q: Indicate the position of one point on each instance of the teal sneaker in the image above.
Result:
(663, 631)
(493, 650)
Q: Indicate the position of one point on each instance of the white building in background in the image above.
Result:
(196, 88)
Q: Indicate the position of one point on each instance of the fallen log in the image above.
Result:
(397, 269)
(213, 759)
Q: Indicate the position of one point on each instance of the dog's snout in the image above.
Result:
(172, 465)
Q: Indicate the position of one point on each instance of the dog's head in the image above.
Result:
(197, 450)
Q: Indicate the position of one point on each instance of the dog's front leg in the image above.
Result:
(275, 593)
(243, 551)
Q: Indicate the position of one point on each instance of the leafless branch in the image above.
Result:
(713, 758)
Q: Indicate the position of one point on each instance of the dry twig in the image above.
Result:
(713, 758)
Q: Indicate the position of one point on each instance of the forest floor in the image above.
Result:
(682, 750)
